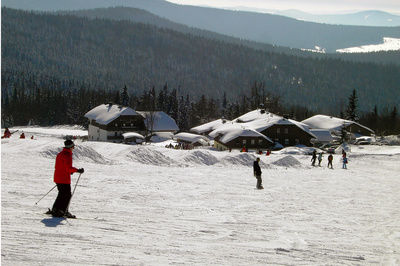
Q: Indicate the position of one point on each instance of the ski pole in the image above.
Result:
(45, 195)
(73, 192)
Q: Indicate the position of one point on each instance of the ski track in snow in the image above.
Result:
(148, 205)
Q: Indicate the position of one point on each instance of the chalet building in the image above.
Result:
(335, 125)
(235, 136)
(107, 122)
(262, 129)
(281, 130)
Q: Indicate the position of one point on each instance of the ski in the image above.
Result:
(49, 212)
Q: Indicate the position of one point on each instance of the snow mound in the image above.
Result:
(243, 159)
(287, 161)
(297, 150)
(152, 157)
(201, 158)
(81, 153)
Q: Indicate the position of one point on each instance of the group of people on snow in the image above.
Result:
(8, 133)
(330, 159)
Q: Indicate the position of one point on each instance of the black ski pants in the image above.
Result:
(63, 198)
(259, 181)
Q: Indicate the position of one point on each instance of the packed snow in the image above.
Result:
(389, 44)
(151, 205)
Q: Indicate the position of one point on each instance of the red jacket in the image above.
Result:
(64, 168)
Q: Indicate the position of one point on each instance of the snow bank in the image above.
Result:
(149, 156)
(287, 161)
(80, 153)
(200, 157)
(242, 159)
(297, 150)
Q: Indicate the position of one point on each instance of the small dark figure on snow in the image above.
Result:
(314, 157)
(344, 161)
(257, 173)
(62, 177)
(319, 158)
(7, 133)
(330, 160)
(22, 136)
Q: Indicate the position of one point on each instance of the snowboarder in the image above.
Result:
(330, 159)
(7, 133)
(257, 173)
(314, 157)
(319, 158)
(62, 177)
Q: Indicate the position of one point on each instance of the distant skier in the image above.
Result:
(330, 160)
(319, 158)
(314, 157)
(62, 177)
(22, 136)
(7, 133)
(257, 173)
(344, 161)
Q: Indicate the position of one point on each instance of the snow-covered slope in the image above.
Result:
(150, 205)
(389, 44)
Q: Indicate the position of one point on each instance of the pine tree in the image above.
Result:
(125, 97)
(351, 111)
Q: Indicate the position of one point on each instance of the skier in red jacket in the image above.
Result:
(62, 177)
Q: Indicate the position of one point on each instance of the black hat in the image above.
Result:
(69, 143)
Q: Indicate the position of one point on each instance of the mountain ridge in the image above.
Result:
(265, 28)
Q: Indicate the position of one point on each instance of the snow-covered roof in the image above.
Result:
(132, 135)
(106, 113)
(162, 121)
(192, 138)
(210, 126)
(230, 131)
(329, 122)
(255, 115)
(260, 120)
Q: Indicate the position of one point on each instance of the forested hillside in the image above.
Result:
(142, 16)
(260, 27)
(111, 54)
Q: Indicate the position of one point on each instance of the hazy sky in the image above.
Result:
(311, 6)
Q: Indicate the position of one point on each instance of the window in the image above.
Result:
(244, 142)
(253, 142)
(297, 141)
(286, 141)
(278, 130)
(260, 141)
(286, 130)
(116, 134)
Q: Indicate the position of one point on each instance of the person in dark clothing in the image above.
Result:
(257, 173)
(314, 157)
(330, 160)
(62, 177)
